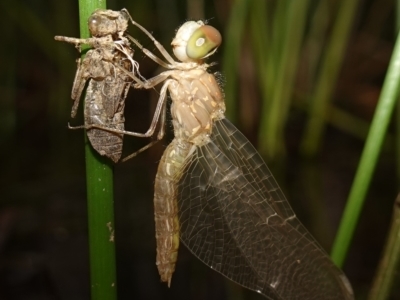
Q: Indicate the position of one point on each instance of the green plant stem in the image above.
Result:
(99, 180)
(397, 29)
(231, 54)
(390, 262)
(331, 63)
(369, 157)
(261, 40)
(275, 114)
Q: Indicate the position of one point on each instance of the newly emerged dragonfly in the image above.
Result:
(214, 192)
(108, 85)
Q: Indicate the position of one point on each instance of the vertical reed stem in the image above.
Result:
(99, 180)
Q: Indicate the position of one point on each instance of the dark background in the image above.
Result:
(43, 223)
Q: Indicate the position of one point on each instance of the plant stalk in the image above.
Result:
(369, 157)
(99, 180)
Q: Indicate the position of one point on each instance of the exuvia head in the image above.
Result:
(103, 22)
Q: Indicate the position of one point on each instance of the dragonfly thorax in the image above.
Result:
(197, 103)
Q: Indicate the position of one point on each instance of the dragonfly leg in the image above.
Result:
(134, 154)
(160, 47)
(77, 88)
(152, 82)
(147, 83)
(150, 54)
(106, 128)
(76, 41)
(139, 82)
(160, 110)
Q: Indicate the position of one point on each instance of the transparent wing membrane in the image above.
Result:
(234, 217)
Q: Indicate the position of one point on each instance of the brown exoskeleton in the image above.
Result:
(108, 85)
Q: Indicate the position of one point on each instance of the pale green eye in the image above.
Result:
(202, 42)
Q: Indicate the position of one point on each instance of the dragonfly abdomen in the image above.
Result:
(98, 112)
(166, 207)
(107, 143)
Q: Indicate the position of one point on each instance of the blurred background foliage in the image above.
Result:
(302, 79)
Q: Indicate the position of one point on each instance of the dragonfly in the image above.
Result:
(108, 85)
(215, 194)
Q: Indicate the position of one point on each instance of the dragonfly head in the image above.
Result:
(195, 41)
(104, 22)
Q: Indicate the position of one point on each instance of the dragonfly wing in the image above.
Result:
(240, 151)
(234, 217)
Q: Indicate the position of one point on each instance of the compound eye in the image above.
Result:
(203, 41)
(101, 25)
(95, 24)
